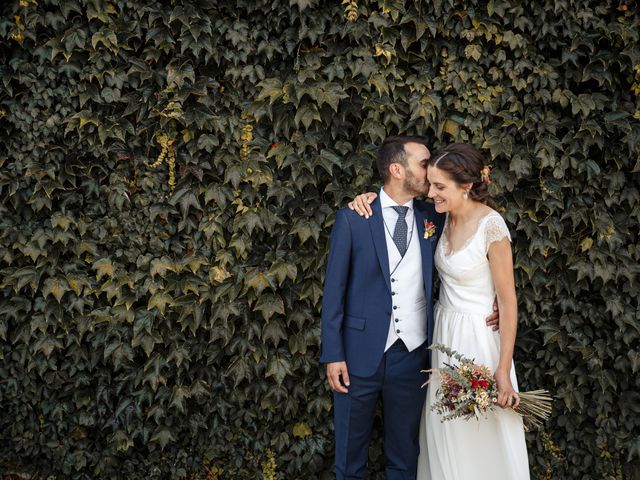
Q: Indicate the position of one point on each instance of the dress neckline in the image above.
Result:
(465, 244)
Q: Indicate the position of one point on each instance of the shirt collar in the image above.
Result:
(387, 202)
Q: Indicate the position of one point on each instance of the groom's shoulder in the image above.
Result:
(349, 215)
(351, 220)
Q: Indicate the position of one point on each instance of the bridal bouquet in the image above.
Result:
(469, 390)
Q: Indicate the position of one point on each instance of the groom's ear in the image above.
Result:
(395, 170)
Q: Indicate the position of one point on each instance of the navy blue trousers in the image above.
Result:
(398, 381)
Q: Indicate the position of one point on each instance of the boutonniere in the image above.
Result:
(429, 229)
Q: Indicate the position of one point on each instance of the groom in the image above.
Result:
(377, 315)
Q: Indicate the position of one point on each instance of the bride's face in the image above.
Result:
(446, 194)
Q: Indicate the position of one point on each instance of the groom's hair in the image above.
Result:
(392, 151)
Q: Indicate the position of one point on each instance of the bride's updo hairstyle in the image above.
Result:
(464, 164)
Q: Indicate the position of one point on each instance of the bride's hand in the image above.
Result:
(361, 204)
(507, 396)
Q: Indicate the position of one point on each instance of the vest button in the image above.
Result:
(397, 331)
(393, 293)
(397, 320)
(395, 307)
(393, 279)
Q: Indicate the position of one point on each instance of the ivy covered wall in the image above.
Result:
(168, 176)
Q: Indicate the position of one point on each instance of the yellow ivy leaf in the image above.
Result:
(160, 266)
(60, 220)
(187, 135)
(159, 300)
(451, 128)
(77, 283)
(532, 215)
(586, 244)
(218, 274)
(381, 51)
(258, 281)
(103, 267)
(473, 51)
(56, 287)
(194, 263)
(301, 430)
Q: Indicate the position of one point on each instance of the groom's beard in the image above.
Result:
(413, 186)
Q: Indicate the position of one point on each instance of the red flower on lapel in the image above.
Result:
(429, 229)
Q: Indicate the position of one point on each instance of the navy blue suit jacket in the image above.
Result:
(356, 303)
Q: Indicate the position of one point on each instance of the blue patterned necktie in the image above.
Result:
(400, 232)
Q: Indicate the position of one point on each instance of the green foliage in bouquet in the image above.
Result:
(168, 177)
(465, 390)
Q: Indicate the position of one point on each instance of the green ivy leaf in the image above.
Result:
(306, 115)
(162, 436)
(22, 277)
(178, 398)
(281, 270)
(273, 331)
(302, 4)
(269, 305)
(46, 345)
(278, 367)
(122, 441)
(239, 370)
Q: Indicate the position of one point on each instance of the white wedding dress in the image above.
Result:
(491, 448)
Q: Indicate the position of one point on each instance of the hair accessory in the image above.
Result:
(435, 164)
(484, 174)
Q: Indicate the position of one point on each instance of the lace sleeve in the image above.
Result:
(495, 229)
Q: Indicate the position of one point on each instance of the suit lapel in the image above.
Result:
(376, 224)
(426, 249)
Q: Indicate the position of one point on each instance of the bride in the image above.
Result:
(475, 265)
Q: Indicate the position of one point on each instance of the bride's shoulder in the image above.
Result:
(489, 214)
(494, 226)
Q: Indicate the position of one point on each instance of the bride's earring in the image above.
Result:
(465, 195)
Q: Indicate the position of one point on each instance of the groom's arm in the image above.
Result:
(362, 206)
(335, 288)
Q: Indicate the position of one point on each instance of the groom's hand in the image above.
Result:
(493, 320)
(336, 370)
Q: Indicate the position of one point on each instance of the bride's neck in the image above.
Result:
(465, 213)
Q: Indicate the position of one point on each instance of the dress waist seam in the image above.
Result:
(449, 308)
